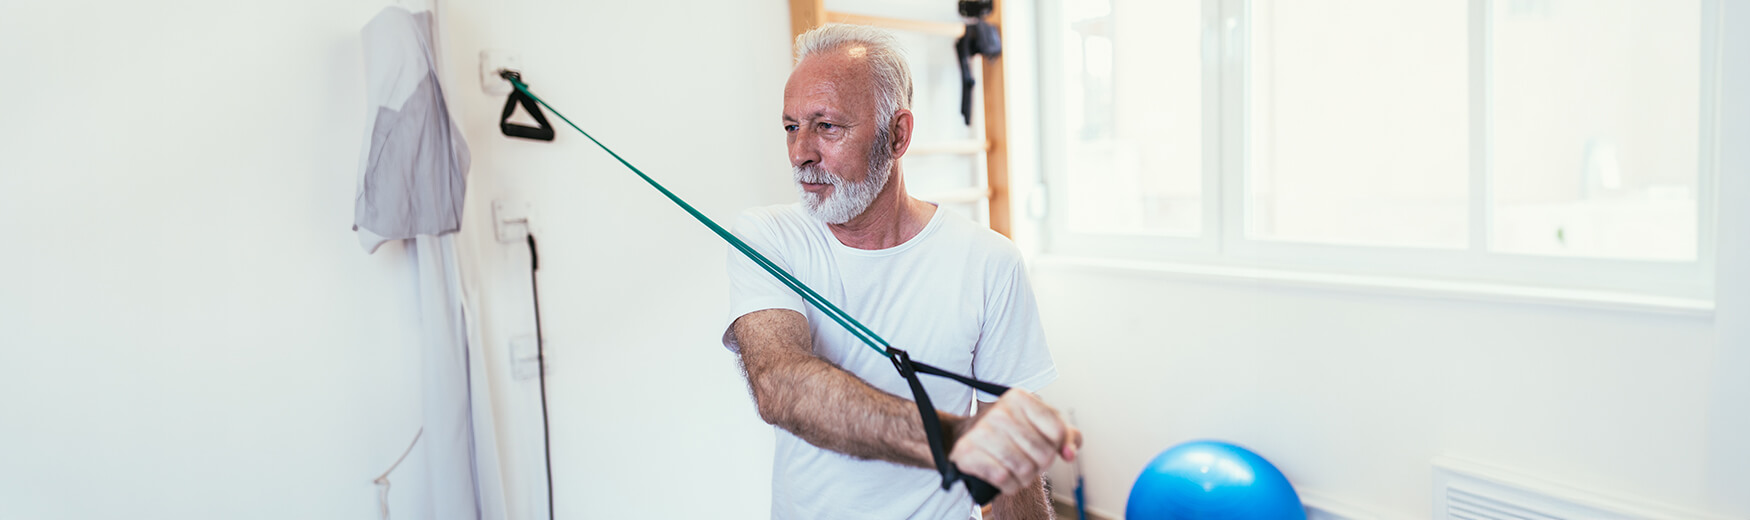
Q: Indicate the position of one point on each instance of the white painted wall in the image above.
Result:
(1728, 423)
(1352, 394)
(190, 329)
(650, 415)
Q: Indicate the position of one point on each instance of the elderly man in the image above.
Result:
(950, 292)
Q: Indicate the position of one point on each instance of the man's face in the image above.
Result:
(833, 133)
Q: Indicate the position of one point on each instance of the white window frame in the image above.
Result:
(1222, 240)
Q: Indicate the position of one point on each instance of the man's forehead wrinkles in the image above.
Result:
(831, 88)
(827, 88)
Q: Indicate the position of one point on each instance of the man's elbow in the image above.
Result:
(770, 407)
(769, 412)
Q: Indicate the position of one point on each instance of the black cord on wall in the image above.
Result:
(541, 363)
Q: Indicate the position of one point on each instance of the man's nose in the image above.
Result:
(803, 149)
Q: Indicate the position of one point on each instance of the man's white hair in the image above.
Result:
(885, 58)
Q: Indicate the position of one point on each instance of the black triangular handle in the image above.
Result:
(542, 133)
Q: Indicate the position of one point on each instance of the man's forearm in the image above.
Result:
(1030, 503)
(822, 403)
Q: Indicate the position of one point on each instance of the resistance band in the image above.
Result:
(982, 492)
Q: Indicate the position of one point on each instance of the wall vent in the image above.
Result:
(1466, 490)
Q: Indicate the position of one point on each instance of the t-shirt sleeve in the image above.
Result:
(1011, 346)
(751, 288)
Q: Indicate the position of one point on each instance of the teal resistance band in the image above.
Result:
(855, 327)
(981, 491)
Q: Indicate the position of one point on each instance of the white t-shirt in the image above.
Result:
(955, 296)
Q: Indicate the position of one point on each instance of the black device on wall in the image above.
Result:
(981, 38)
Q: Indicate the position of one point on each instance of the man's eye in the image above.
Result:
(826, 126)
(789, 128)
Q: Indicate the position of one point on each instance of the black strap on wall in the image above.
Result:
(541, 363)
(980, 39)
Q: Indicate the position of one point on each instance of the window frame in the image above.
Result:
(1222, 239)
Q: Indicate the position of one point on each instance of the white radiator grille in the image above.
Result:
(1470, 491)
(1463, 505)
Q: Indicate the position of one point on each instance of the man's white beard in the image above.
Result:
(847, 199)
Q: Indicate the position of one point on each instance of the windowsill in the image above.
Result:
(1390, 286)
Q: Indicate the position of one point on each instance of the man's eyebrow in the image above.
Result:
(816, 115)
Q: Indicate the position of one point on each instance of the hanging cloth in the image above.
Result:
(410, 186)
(412, 173)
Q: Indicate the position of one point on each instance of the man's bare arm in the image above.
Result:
(1029, 503)
(822, 403)
(1008, 446)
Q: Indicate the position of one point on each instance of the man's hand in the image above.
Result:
(1010, 443)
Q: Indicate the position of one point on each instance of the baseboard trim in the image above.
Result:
(1063, 503)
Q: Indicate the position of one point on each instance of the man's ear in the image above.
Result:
(902, 126)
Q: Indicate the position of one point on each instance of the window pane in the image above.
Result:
(1594, 127)
(1133, 106)
(1359, 122)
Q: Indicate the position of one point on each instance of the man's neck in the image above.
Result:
(891, 219)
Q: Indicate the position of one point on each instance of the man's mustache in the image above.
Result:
(814, 174)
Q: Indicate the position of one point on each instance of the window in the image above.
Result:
(1358, 122)
(1560, 143)
(1135, 171)
(1595, 135)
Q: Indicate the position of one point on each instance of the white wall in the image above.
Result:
(188, 328)
(650, 415)
(1352, 394)
(1728, 426)
(192, 331)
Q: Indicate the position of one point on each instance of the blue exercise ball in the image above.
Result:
(1212, 480)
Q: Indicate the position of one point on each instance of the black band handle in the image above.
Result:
(983, 386)
(982, 492)
(517, 97)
